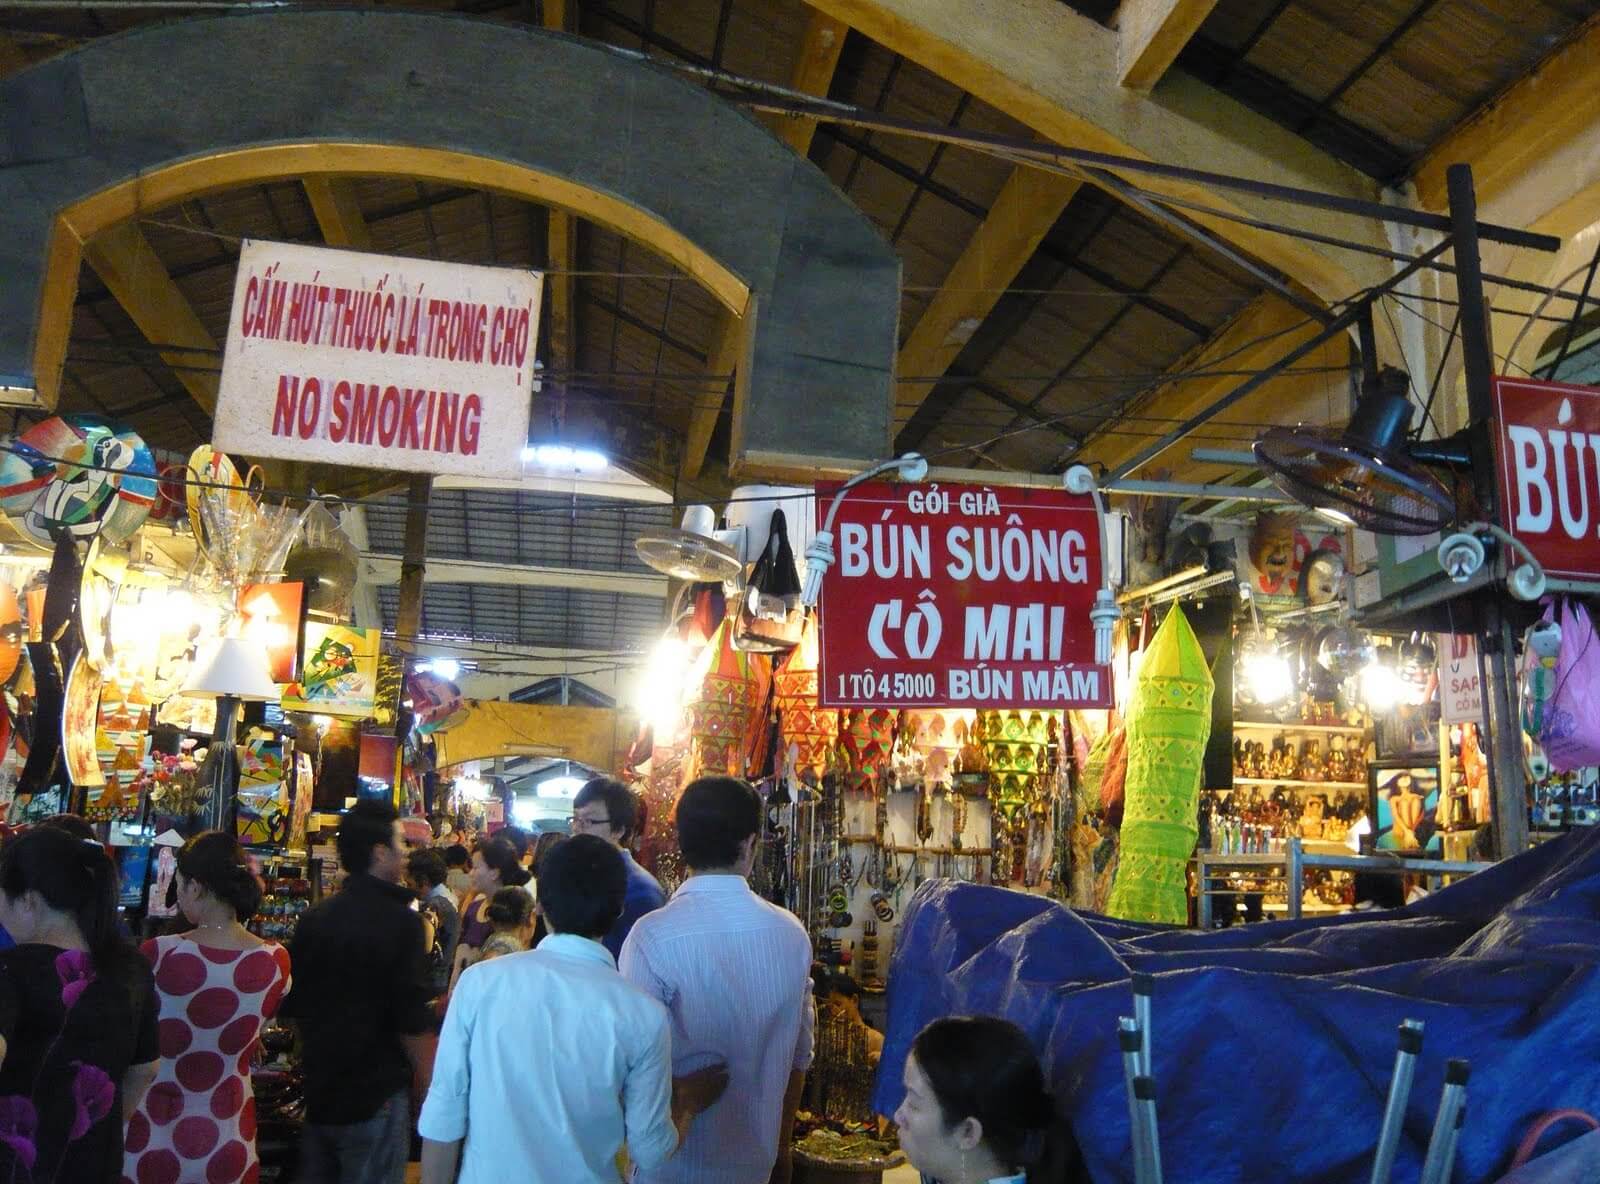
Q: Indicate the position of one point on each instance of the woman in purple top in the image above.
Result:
(77, 1013)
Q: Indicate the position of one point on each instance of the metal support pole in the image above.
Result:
(1144, 1093)
(1295, 874)
(1128, 1038)
(1504, 735)
(1451, 1100)
(413, 564)
(1203, 905)
(1143, 988)
(1394, 1111)
(1369, 348)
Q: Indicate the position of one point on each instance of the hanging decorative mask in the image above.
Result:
(1272, 549)
(1322, 577)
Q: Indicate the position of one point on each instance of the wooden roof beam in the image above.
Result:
(725, 359)
(813, 74)
(1257, 337)
(1056, 71)
(1151, 34)
(1020, 217)
(338, 213)
(133, 273)
(1546, 113)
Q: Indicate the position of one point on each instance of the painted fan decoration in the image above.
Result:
(76, 477)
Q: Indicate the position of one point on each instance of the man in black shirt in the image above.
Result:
(360, 997)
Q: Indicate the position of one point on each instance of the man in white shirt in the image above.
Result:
(549, 1061)
(735, 973)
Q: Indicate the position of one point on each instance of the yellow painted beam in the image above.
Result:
(1020, 217)
(1548, 110)
(1151, 34)
(130, 269)
(338, 213)
(813, 74)
(1256, 338)
(727, 351)
(1056, 71)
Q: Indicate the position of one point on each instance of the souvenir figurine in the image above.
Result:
(1338, 766)
(1311, 820)
(1311, 762)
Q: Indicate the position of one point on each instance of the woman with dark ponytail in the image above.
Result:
(77, 1013)
(976, 1109)
(218, 985)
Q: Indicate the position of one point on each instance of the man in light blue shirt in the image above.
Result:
(735, 973)
(609, 809)
(549, 1061)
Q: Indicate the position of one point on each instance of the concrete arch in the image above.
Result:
(136, 122)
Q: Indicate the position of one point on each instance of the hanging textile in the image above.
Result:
(810, 731)
(1168, 722)
(725, 732)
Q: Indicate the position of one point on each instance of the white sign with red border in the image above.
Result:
(341, 357)
(1460, 689)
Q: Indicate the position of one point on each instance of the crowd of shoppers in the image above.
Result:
(670, 1038)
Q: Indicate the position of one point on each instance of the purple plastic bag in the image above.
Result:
(1571, 736)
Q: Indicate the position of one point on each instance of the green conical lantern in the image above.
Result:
(1168, 721)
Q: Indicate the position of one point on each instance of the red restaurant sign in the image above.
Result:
(961, 596)
(1548, 440)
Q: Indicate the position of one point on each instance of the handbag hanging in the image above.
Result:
(770, 618)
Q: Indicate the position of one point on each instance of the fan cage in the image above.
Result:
(1383, 493)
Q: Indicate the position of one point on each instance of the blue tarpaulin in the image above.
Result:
(1273, 1043)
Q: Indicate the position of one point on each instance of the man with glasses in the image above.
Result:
(608, 809)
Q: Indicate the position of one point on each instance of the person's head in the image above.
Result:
(511, 911)
(607, 808)
(581, 886)
(495, 865)
(457, 857)
(1380, 890)
(521, 840)
(719, 824)
(545, 843)
(976, 1105)
(75, 825)
(425, 869)
(369, 841)
(52, 883)
(214, 871)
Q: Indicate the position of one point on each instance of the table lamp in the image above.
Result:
(232, 672)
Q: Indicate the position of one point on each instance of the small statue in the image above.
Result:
(1311, 820)
(1311, 768)
(1338, 766)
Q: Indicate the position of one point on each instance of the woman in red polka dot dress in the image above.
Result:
(218, 984)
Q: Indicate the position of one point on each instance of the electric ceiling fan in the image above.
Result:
(692, 553)
(1367, 472)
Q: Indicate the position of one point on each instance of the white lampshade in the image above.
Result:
(232, 667)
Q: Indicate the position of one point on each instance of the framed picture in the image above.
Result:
(1403, 803)
(1408, 732)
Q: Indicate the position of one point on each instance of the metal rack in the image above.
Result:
(1295, 859)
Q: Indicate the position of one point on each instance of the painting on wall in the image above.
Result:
(340, 673)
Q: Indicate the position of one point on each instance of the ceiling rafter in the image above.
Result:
(1023, 213)
(1150, 34)
(338, 212)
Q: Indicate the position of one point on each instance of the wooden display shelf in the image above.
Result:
(1315, 729)
(1292, 783)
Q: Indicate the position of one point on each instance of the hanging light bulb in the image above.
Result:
(1381, 687)
(1266, 671)
(659, 693)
